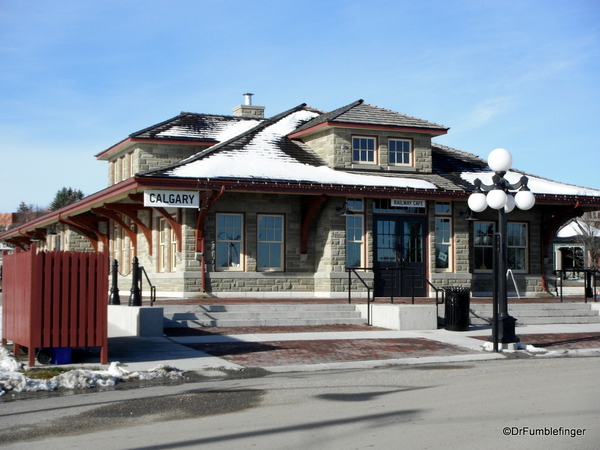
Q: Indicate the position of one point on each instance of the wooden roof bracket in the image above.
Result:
(130, 210)
(208, 201)
(90, 235)
(176, 226)
(114, 216)
(312, 205)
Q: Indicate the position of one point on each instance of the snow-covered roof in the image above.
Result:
(199, 126)
(537, 185)
(264, 156)
(576, 228)
(262, 150)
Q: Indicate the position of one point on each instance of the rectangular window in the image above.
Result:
(443, 236)
(363, 149)
(443, 241)
(124, 166)
(270, 242)
(172, 250)
(163, 246)
(517, 246)
(400, 152)
(355, 233)
(483, 242)
(229, 243)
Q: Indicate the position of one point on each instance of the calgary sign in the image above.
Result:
(172, 199)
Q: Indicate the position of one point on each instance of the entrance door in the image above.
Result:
(399, 243)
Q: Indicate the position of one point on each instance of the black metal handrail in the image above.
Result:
(350, 271)
(152, 287)
(590, 283)
(413, 270)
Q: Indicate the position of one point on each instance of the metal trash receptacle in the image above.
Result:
(458, 301)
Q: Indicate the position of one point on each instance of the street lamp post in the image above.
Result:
(498, 196)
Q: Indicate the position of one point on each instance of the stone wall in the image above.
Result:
(334, 145)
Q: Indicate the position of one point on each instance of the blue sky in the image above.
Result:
(78, 76)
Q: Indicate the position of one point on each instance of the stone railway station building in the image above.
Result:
(246, 206)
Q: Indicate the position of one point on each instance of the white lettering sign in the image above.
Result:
(174, 199)
(407, 203)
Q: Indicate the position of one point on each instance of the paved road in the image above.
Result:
(457, 405)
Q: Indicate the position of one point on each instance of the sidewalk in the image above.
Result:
(292, 351)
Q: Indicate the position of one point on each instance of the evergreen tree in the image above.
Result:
(64, 197)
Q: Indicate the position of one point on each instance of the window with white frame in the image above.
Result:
(483, 245)
(400, 152)
(516, 243)
(229, 241)
(270, 243)
(364, 150)
(443, 236)
(163, 245)
(172, 250)
(355, 233)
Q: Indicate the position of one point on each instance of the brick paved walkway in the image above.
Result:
(256, 354)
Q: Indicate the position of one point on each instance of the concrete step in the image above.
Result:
(535, 313)
(264, 322)
(248, 315)
(262, 315)
(540, 320)
(534, 306)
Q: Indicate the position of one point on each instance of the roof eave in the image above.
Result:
(125, 143)
(406, 129)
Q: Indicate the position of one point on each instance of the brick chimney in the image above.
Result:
(248, 109)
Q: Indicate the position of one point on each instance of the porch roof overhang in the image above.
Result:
(121, 192)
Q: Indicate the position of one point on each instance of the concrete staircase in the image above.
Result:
(257, 315)
(538, 313)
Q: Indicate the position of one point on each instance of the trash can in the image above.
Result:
(55, 355)
(457, 308)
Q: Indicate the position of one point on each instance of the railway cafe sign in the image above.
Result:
(171, 199)
(407, 203)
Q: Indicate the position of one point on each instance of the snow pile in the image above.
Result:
(12, 379)
(489, 347)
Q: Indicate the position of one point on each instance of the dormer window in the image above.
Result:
(400, 152)
(364, 149)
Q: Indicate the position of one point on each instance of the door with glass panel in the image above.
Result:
(399, 256)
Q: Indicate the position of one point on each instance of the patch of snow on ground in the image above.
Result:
(12, 379)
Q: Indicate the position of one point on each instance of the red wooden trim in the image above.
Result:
(314, 203)
(208, 202)
(90, 236)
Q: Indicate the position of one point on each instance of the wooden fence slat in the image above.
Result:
(55, 299)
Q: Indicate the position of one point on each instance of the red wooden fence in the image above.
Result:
(55, 299)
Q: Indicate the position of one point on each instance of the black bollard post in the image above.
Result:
(114, 298)
(135, 298)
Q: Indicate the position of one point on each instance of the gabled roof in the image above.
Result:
(265, 140)
(362, 114)
(190, 128)
(198, 126)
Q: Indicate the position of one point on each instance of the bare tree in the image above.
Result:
(588, 226)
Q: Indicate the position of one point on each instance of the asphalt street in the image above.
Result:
(513, 403)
